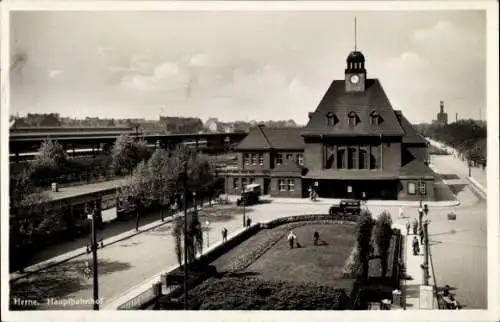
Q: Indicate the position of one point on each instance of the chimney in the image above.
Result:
(441, 107)
(456, 117)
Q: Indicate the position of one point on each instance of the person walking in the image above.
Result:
(316, 238)
(415, 226)
(407, 228)
(416, 249)
(249, 221)
(224, 234)
(291, 238)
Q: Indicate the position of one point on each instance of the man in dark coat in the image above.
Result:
(316, 238)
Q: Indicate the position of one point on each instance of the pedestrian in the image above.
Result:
(249, 221)
(224, 234)
(400, 212)
(407, 228)
(421, 233)
(416, 249)
(415, 226)
(291, 238)
(316, 238)
(310, 193)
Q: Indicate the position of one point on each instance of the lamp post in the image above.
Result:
(420, 214)
(226, 148)
(426, 252)
(244, 200)
(185, 235)
(92, 248)
(207, 223)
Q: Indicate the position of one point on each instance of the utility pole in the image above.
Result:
(92, 216)
(185, 235)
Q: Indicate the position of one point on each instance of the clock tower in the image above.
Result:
(355, 73)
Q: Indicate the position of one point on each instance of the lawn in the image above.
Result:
(321, 264)
(263, 273)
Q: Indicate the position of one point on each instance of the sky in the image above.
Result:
(242, 65)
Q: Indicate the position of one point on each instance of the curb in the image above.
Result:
(478, 187)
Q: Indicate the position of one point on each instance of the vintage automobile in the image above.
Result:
(346, 207)
(250, 195)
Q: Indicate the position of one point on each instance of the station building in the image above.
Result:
(355, 145)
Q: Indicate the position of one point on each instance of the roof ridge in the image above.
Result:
(261, 129)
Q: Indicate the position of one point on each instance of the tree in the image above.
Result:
(127, 153)
(383, 235)
(31, 217)
(137, 190)
(194, 237)
(363, 239)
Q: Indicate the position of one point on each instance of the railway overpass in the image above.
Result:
(25, 140)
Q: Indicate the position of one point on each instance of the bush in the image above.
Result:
(249, 293)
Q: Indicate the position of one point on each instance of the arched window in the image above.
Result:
(330, 119)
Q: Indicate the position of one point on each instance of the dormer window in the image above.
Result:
(330, 119)
(352, 119)
(374, 118)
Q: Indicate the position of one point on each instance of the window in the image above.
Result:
(289, 156)
(330, 119)
(300, 159)
(363, 160)
(246, 159)
(252, 180)
(351, 158)
(261, 158)
(279, 158)
(374, 118)
(235, 183)
(243, 183)
(411, 188)
(341, 158)
(281, 185)
(352, 118)
(254, 159)
(291, 185)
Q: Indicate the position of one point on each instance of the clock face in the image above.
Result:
(354, 79)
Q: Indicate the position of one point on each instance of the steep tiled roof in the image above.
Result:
(411, 135)
(264, 138)
(340, 103)
(416, 168)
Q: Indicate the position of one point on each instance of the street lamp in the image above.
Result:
(92, 216)
(244, 199)
(194, 201)
(185, 175)
(226, 148)
(426, 252)
(420, 214)
(207, 223)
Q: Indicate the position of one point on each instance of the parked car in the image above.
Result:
(250, 195)
(346, 207)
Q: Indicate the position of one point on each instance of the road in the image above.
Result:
(458, 247)
(130, 262)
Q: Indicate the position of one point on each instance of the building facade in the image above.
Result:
(355, 145)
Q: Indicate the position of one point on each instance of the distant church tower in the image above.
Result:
(442, 117)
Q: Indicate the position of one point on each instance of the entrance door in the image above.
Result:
(267, 183)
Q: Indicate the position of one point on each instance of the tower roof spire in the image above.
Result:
(355, 34)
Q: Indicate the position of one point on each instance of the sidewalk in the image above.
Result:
(414, 273)
(83, 250)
